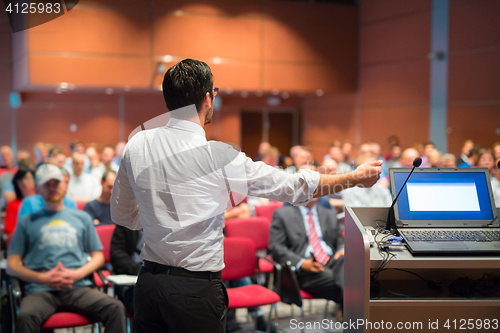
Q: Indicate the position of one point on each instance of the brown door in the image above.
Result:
(276, 127)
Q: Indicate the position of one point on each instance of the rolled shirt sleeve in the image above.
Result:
(261, 180)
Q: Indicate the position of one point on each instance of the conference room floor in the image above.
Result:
(314, 311)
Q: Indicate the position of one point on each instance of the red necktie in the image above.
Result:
(315, 242)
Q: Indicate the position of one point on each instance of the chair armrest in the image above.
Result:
(287, 286)
(269, 260)
(103, 280)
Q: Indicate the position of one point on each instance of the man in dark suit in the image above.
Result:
(126, 246)
(311, 239)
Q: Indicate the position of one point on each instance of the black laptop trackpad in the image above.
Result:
(448, 245)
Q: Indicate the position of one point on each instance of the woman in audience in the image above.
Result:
(485, 160)
(24, 185)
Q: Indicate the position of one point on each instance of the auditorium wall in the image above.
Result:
(388, 94)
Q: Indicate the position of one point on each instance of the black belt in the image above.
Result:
(171, 270)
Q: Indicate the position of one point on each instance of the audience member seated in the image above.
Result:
(23, 154)
(126, 247)
(348, 152)
(393, 140)
(288, 162)
(107, 155)
(496, 151)
(485, 160)
(118, 152)
(24, 186)
(464, 155)
(82, 187)
(41, 153)
(100, 208)
(472, 159)
(335, 153)
(302, 156)
(407, 158)
(97, 169)
(50, 251)
(7, 171)
(77, 147)
(375, 196)
(434, 158)
(448, 161)
(376, 151)
(329, 167)
(35, 203)
(263, 146)
(427, 148)
(310, 238)
(395, 155)
(495, 186)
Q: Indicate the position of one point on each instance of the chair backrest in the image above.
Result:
(239, 258)
(255, 228)
(268, 210)
(105, 232)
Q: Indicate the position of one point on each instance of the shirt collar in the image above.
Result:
(305, 210)
(186, 125)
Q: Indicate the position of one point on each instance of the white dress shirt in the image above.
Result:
(174, 184)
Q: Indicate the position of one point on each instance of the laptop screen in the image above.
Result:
(442, 194)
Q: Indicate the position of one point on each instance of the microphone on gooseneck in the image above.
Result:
(390, 218)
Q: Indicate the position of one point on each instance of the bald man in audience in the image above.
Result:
(82, 187)
(407, 157)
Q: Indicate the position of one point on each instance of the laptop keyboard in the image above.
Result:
(451, 235)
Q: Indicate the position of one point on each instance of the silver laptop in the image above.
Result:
(446, 211)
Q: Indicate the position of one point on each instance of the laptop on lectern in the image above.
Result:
(446, 211)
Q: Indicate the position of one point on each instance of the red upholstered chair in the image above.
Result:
(257, 229)
(105, 232)
(56, 321)
(240, 260)
(268, 210)
(67, 320)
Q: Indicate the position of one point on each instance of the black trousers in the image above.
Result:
(167, 302)
(328, 284)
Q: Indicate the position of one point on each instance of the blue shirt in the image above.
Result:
(46, 237)
(34, 203)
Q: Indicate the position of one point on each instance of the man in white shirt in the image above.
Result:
(82, 187)
(175, 186)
